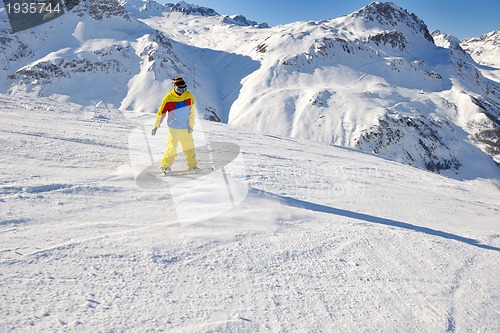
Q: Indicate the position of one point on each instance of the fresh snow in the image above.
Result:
(333, 82)
(324, 238)
(485, 50)
(312, 220)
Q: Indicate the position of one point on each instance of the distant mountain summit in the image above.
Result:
(99, 9)
(375, 80)
(484, 49)
(150, 8)
(243, 21)
(451, 43)
(183, 7)
(388, 15)
(188, 9)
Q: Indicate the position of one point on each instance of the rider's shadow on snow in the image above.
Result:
(297, 203)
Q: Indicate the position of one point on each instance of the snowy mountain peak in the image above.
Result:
(190, 9)
(446, 37)
(101, 9)
(485, 49)
(450, 42)
(151, 8)
(389, 15)
(142, 8)
(491, 37)
(243, 21)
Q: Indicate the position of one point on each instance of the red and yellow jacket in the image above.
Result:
(180, 110)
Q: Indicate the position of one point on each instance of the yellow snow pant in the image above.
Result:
(175, 136)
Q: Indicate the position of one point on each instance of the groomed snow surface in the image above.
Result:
(313, 238)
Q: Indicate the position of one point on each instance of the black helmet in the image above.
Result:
(179, 82)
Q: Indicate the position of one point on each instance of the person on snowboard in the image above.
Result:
(179, 104)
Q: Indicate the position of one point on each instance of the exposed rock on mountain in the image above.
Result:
(452, 44)
(387, 14)
(98, 9)
(374, 80)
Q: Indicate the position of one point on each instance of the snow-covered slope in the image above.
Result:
(485, 50)
(95, 54)
(327, 239)
(373, 80)
(150, 8)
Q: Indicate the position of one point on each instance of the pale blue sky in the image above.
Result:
(461, 18)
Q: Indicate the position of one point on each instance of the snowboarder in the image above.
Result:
(179, 104)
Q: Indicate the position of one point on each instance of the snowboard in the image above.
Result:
(211, 158)
(187, 173)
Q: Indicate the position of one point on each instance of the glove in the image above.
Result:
(153, 131)
(190, 130)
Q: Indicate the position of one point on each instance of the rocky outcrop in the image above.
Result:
(189, 9)
(387, 14)
(243, 21)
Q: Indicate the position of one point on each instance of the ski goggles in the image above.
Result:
(182, 89)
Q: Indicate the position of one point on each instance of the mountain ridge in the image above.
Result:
(485, 49)
(389, 14)
(374, 80)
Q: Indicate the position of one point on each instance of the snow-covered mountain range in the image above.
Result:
(375, 80)
(484, 49)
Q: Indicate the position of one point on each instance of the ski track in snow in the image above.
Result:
(328, 239)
